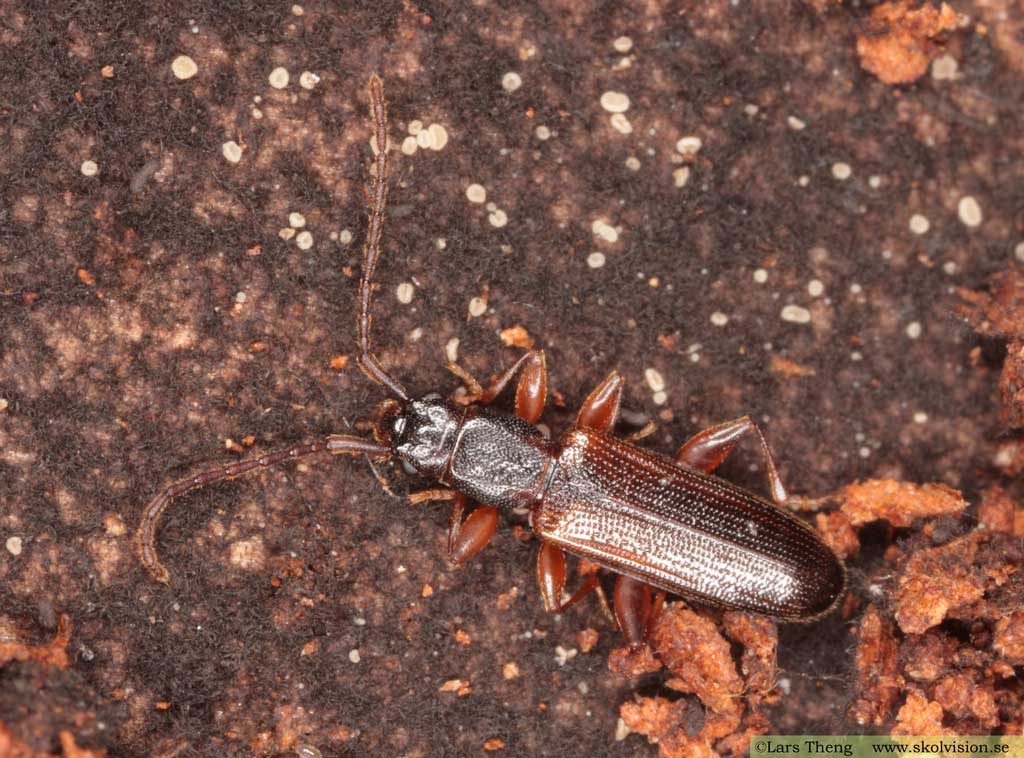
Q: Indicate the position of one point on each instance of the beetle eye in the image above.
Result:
(399, 426)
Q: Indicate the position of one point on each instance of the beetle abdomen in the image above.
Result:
(689, 533)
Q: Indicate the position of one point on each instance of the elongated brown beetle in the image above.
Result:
(663, 524)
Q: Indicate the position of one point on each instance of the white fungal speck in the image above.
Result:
(654, 379)
(308, 80)
(304, 240)
(659, 398)
(296, 220)
(689, 145)
(89, 168)
(969, 211)
(476, 193)
(353, 655)
(404, 293)
(796, 124)
(944, 68)
(949, 268)
(595, 260)
(286, 234)
(184, 67)
(451, 350)
(563, 655)
(231, 151)
(511, 81)
(750, 109)
(841, 171)
(278, 78)
(815, 288)
(604, 230)
(920, 417)
(415, 127)
(615, 102)
(298, 10)
(681, 176)
(438, 136)
(477, 307)
(633, 163)
(719, 319)
(1018, 252)
(345, 237)
(621, 124)
(865, 452)
(874, 181)
(622, 44)
(423, 139)
(914, 329)
(760, 276)
(409, 146)
(796, 314)
(13, 545)
(542, 132)
(919, 224)
(498, 218)
(803, 181)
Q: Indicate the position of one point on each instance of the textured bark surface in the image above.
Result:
(155, 317)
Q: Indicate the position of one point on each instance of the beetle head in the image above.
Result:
(420, 432)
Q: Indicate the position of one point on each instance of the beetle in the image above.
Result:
(663, 525)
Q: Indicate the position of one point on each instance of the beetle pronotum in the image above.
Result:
(662, 524)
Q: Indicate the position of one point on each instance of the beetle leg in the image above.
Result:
(600, 410)
(551, 577)
(637, 605)
(469, 537)
(415, 498)
(706, 450)
(532, 390)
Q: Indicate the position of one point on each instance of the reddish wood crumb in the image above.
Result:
(654, 717)
(461, 687)
(997, 511)
(692, 648)
(876, 663)
(920, 716)
(926, 657)
(162, 705)
(53, 653)
(254, 250)
(463, 638)
(494, 744)
(70, 748)
(86, 278)
(760, 639)
(998, 312)
(961, 696)
(339, 362)
(505, 599)
(838, 532)
(427, 591)
(1009, 638)
(107, 72)
(936, 580)
(510, 670)
(517, 336)
(310, 647)
(258, 346)
(627, 662)
(780, 365)
(587, 639)
(899, 41)
(899, 503)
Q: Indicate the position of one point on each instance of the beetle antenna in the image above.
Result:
(371, 248)
(145, 537)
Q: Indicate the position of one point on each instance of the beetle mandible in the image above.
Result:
(662, 524)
